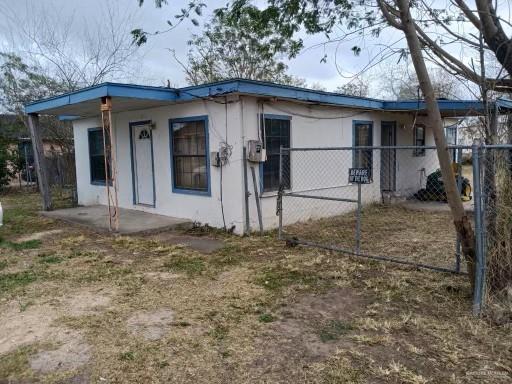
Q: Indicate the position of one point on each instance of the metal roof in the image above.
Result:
(86, 102)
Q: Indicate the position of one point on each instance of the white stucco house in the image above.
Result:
(164, 139)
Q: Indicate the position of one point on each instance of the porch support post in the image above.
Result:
(40, 161)
(109, 147)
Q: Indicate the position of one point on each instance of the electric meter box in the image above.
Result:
(215, 159)
(256, 153)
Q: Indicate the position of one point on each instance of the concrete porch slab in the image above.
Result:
(131, 222)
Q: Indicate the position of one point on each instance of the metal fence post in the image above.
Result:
(280, 194)
(478, 283)
(459, 186)
(246, 192)
(358, 220)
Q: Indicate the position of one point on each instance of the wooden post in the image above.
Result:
(109, 150)
(40, 161)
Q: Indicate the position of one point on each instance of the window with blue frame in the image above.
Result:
(363, 137)
(189, 155)
(276, 133)
(97, 156)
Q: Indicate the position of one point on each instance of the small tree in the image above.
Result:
(229, 48)
(400, 82)
(357, 87)
(8, 163)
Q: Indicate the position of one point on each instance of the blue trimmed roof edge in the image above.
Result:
(244, 86)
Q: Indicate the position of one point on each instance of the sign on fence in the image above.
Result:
(359, 175)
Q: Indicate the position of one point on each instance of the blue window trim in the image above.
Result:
(276, 117)
(92, 182)
(260, 168)
(355, 123)
(131, 125)
(207, 138)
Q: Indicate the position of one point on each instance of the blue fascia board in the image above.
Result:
(68, 117)
(444, 105)
(259, 88)
(249, 87)
(207, 90)
(141, 92)
(103, 90)
(308, 95)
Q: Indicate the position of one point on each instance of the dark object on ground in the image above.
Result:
(435, 191)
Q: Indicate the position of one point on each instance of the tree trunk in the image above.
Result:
(460, 219)
(494, 34)
(40, 161)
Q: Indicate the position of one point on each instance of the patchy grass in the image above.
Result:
(219, 332)
(49, 259)
(278, 278)
(127, 356)
(333, 330)
(16, 364)
(12, 281)
(254, 311)
(190, 265)
(266, 318)
(29, 244)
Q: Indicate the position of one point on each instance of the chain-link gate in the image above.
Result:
(389, 203)
(493, 280)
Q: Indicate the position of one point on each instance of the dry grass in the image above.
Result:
(387, 230)
(254, 311)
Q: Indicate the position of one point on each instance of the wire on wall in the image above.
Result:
(288, 112)
(225, 152)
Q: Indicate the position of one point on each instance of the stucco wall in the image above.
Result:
(203, 209)
(324, 173)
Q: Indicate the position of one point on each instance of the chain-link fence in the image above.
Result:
(495, 270)
(389, 203)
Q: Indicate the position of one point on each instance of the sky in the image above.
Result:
(155, 64)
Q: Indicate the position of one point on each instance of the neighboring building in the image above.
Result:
(14, 130)
(164, 139)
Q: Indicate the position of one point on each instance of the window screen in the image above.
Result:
(419, 140)
(451, 139)
(363, 136)
(276, 134)
(97, 156)
(189, 155)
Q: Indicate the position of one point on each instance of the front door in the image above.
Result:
(388, 157)
(142, 164)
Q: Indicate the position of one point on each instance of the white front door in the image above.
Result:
(142, 161)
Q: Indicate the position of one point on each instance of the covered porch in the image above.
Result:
(101, 101)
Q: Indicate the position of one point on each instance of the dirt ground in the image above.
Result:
(79, 307)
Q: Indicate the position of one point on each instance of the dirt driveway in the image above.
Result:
(78, 307)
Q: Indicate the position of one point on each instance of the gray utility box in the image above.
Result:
(255, 151)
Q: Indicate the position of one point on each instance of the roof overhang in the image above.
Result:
(86, 102)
